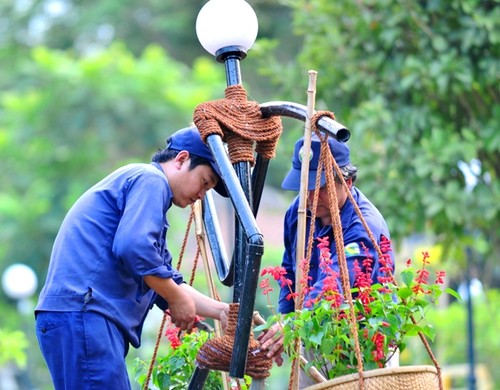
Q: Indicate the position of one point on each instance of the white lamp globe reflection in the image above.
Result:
(19, 282)
(226, 23)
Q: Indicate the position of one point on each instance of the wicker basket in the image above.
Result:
(395, 378)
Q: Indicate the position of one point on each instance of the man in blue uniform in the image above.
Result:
(110, 264)
(356, 239)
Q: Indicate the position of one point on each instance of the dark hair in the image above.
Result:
(349, 171)
(164, 155)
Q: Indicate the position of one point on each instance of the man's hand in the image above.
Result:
(271, 340)
(182, 310)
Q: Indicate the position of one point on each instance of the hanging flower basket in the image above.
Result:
(393, 378)
(349, 329)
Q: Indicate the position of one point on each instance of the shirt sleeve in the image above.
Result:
(139, 242)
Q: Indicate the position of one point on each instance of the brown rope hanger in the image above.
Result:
(240, 123)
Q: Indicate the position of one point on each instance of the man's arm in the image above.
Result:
(181, 305)
(206, 306)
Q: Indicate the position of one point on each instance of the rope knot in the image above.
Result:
(240, 123)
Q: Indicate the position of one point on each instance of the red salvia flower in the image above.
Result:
(292, 295)
(425, 257)
(278, 274)
(173, 336)
(440, 275)
(378, 340)
(374, 306)
(330, 289)
(422, 276)
(265, 286)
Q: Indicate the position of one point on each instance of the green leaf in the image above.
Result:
(453, 293)
(316, 338)
(407, 276)
(429, 331)
(404, 292)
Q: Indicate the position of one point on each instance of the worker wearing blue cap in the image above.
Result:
(357, 244)
(110, 264)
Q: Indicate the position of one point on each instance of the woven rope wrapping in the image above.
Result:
(216, 353)
(240, 123)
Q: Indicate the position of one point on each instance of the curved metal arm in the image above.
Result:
(275, 108)
(299, 111)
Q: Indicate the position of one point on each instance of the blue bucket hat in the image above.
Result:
(189, 139)
(340, 152)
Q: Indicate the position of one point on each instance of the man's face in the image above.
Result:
(190, 185)
(323, 207)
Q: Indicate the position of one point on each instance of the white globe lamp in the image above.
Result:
(19, 281)
(227, 26)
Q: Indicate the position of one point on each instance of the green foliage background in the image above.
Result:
(87, 86)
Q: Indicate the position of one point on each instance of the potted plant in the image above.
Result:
(173, 369)
(386, 314)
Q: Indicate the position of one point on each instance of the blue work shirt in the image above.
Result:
(113, 236)
(354, 235)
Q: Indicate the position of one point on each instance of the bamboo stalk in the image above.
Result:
(304, 175)
(302, 209)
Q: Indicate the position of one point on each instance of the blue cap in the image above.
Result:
(189, 139)
(340, 152)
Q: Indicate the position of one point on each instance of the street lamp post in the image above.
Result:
(470, 322)
(19, 282)
(227, 29)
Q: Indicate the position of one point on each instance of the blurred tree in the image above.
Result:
(451, 340)
(87, 26)
(72, 121)
(417, 84)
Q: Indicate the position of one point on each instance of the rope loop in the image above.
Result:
(315, 119)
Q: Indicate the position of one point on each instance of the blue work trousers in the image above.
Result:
(83, 350)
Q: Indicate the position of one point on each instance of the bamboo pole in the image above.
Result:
(304, 175)
(200, 238)
(302, 209)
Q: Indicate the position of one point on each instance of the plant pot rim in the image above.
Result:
(379, 372)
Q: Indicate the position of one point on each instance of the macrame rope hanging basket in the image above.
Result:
(425, 377)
